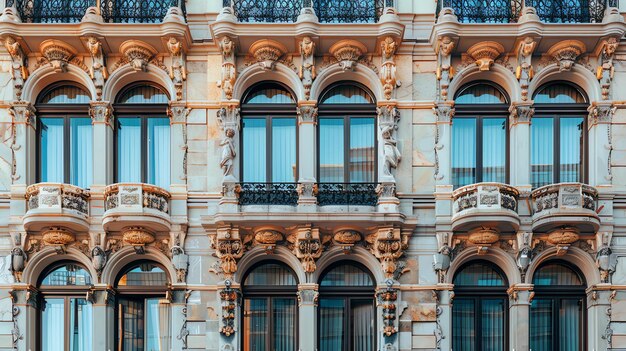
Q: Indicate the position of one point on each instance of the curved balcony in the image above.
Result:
(56, 205)
(565, 204)
(492, 205)
(136, 205)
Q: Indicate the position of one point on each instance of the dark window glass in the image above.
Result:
(479, 274)
(68, 274)
(347, 94)
(144, 275)
(271, 274)
(270, 94)
(556, 274)
(347, 275)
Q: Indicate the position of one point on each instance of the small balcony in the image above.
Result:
(508, 11)
(136, 205)
(112, 11)
(56, 205)
(492, 205)
(267, 194)
(347, 194)
(565, 204)
(327, 11)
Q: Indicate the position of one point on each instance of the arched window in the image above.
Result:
(479, 313)
(480, 145)
(347, 135)
(346, 312)
(64, 140)
(142, 136)
(269, 136)
(270, 308)
(558, 137)
(142, 313)
(66, 316)
(557, 313)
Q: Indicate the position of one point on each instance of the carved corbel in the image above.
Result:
(348, 52)
(138, 238)
(600, 113)
(521, 112)
(307, 246)
(99, 251)
(388, 66)
(267, 52)
(387, 244)
(229, 119)
(138, 54)
(445, 71)
(346, 239)
(178, 69)
(228, 248)
(563, 238)
(98, 70)
(101, 112)
(606, 261)
(606, 70)
(19, 65)
(307, 69)
(485, 53)
(57, 53)
(567, 53)
(229, 68)
(524, 71)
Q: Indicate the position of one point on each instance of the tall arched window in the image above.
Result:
(64, 141)
(480, 145)
(558, 137)
(142, 136)
(270, 308)
(557, 313)
(347, 317)
(142, 314)
(347, 135)
(479, 315)
(269, 137)
(66, 316)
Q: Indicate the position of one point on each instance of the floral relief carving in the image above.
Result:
(307, 246)
(229, 69)
(307, 114)
(100, 112)
(138, 54)
(347, 52)
(387, 244)
(137, 236)
(524, 71)
(268, 239)
(178, 69)
(485, 53)
(230, 299)
(57, 53)
(307, 71)
(566, 53)
(267, 52)
(387, 299)
(56, 236)
(483, 238)
(445, 71)
(19, 65)
(229, 248)
(388, 66)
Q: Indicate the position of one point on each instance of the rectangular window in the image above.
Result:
(81, 152)
(541, 321)
(542, 151)
(463, 152)
(463, 324)
(362, 325)
(492, 324)
(159, 152)
(51, 150)
(269, 324)
(81, 317)
(494, 150)
(254, 150)
(362, 153)
(53, 325)
(331, 150)
(332, 323)
(129, 150)
(283, 318)
(144, 324)
(256, 324)
(66, 324)
(284, 150)
(570, 149)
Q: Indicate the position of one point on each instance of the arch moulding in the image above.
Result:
(334, 73)
(576, 256)
(578, 75)
(126, 75)
(358, 254)
(258, 254)
(497, 74)
(496, 255)
(45, 75)
(127, 255)
(255, 73)
(48, 256)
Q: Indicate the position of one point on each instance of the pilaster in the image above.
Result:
(307, 316)
(600, 139)
(102, 120)
(521, 113)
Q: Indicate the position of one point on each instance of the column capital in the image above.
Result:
(521, 112)
(600, 112)
(101, 112)
(178, 111)
(307, 112)
(444, 110)
(23, 112)
(308, 294)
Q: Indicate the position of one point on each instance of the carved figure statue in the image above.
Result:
(524, 71)
(98, 258)
(390, 150)
(98, 71)
(229, 71)
(307, 70)
(228, 152)
(178, 72)
(388, 67)
(18, 261)
(19, 70)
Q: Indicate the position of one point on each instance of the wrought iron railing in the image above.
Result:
(353, 194)
(268, 194)
(112, 11)
(327, 11)
(508, 11)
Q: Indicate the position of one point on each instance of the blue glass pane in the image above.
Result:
(571, 149)
(284, 317)
(254, 150)
(69, 274)
(463, 152)
(479, 274)
(144, 94)
(129, 150)
(463, 325)
(81, 152)
(255, 324)
(53, 325)
(273, 94)
(494, 150)
(331, 150)
(347, 94)
(51, 150)
(347, 275)
(332, 330)
(159, 152)
(541, 151)
(480, 94)
(362, 153)
(145, 274)
(492, 323)
(81, 318)
(558, 94)
(66, 94)
(541, 322)
(284, 150)
(556, 274)
(271, 274)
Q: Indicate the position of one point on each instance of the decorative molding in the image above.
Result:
(386, 298)
(605, 70)
(483, 238)
(229, 68)
(308, 297)
(388, 118)
(348, 52)
(98, 70)
(307, 246)
(307, 71)
(19, 65)
(563, 238)
(267, 52)
(138, 238)
(600, 113)
(346, 239)
(229, 119)
(387, 244)
(138, 54)
(524, 71)
(521, 112)
(388, 48)
(307, 114)
(57, 53)
(268, 239)
(228, 248)
(56, 236)
(445, 71)
(229, 298)
(101, 112)
(566, 53)
(178, 70)
(485, 53)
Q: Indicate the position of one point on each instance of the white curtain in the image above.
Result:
(569, 324)
(363, 325)
(158, 325)
(254, 150)
(331, 150)
(463, 152)
(129, 150)
(81, 317)
(570, 149)
(52, 325)
(81, 147)
(331, 324)
(284, 324)
(283, 150)
(494, 150)
(542, 151)
(159, 152)
(52, 150)
(362, 155)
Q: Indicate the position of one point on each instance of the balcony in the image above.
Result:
(268, 194)
(490, 205)
(136, 205)
(112, 11)
(56, 205)
(509, 11)
(565, 204)
(327, 11)
(347, 194)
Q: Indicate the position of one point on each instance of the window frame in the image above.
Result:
(66, 112)
(269, 292)
(143, 112)
(557, 111)
(479, 293)
(347, 294)
(268, 112)
(556, 294)
(346, 112)
(479, 112)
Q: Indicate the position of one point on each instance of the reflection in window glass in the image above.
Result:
(146, 324)
(159, 152)
(69, 274)
(157, 325)
(283, 150)
(53, 325)
(254, 150)
(347, 94)
(145, 274)
(331, 150)
(143, 94)
(494, 150)
(347, 275)
(571, 133)
(362, 154)
(51, 150)
(80, 324)
(66, 95)
(463, 152)
(478, 274)
(541, 151)
(129, 150)
(331, 324)
(81, 151)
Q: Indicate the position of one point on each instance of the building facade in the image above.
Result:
(313, 175)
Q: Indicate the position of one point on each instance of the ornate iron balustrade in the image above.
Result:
(138, 11)
(354, 194)
(56, 196)
(51, 11)
(564, 196)
(485, 196)
(136, 196)
(268, 194)
(327, 11)
(481, 11)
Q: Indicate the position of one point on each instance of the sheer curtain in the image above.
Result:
(571, 130)
(159, 152)
(569, 324)
(362, 322)
(283, 150)
(541, 151)
(492, 320)
(255, 324)
(129, 150)
(541, 320)
(362, 154)
(80, 323)
(494, 150)
(157, 325)
(284, 312)
(51, 152)
(331, 324)
(254, 150)
(463, 328)
(331, 157)
(81, 151)
(463, 152)
(53, 325)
